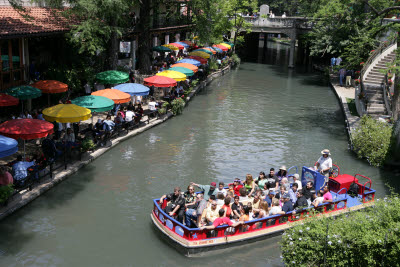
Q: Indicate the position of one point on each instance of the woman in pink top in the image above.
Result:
(327, 195)
(5, 177)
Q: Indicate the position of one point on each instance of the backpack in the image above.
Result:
(353, 190)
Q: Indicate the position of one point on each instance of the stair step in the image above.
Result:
(376, 75)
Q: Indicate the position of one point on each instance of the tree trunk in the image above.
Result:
(112, 57)
(396, 95)
(144, 40)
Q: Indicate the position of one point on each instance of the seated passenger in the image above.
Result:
(273, 180)
(327, 195)
(285, 183)
(261, 180)
(263, 210)
(5, 177)
(281, 192)
(265, 191)
(307, 192)
(221, 220)
(190, 197)
(236, 186)
(176, 205)
(293, 193)
(212, 213)
(269, 197)
(230, 195)
(245, 214)
(221, 189)
(296, 180)
(193, 216)
(243, 194)
(230, 189)
(301, 202)
(255, 204)
(275, 208)
(287, 205)
(282, 172)
(220, 199)
(249, 184)
(227, 207)
(319, 199)
(208, 189)
(236, 206)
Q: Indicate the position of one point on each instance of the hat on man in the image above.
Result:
(213, 184)
(271, 192)
(286, 195)
(326, 152)
(297, 176)
(283, 168)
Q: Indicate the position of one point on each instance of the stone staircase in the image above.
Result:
(373, 81)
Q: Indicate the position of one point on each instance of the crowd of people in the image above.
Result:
(248, 199)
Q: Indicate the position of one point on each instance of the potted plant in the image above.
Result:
(87, 145)
(390, 82)
(6, 192)
(357, 82)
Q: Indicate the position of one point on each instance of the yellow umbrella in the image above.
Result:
(172, 47)
(200, 54)
(176, 75)
(66, 113)
(226, 45)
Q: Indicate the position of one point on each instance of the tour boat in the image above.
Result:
(194, 240)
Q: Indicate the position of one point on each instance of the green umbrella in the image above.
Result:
(161, 48)
(229, 43)
(94, 103)
(112, 77)
(183, 70)
(205, 50)
(24, 92)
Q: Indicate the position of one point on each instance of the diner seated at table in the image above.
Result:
(20, 170)
(5, 177)
(49, 148)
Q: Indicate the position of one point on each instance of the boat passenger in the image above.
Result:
(176, 205)
(227, 207)
(212, 213)
(236, 186)
(263, 211)
(327, 195)
(249, 184)
(245, 214)
(261, 180)
(282, 191)
(193, 216)
(221, 188)
(243, 196)
(220, 199)
(301, 202)
(208, 189)
(230, 195)
(324, 163)
(307, 191)
(265, 190)
(190, 197)
(319, 199)
(282, 172)
(269, 197)
(287, 205)
(255, 204)
(273, 180)
(221, 220)
(293, 193)
(285, 183)
(236, 206)
(275, 208)
(296, 180)
(230, 188)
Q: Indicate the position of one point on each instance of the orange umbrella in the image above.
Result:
(186, 65)
(117, 96)
(51, 86)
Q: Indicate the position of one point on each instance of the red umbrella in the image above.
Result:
(179, 46)
(202, 60)
(222, 47)
(8, 100)
(187, 42)
(160, 81)
(26, 129)
(51, 86)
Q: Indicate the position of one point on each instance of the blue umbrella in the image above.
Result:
(133, 89)
(184, 44)
(190, 61)
(8, 146)
(219, 50)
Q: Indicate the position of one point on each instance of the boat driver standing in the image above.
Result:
(324, 163)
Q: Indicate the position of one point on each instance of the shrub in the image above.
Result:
(177, 106)
(5, 192)
(235, 59)
(365, 238)
(163, 108)
(87, 145)
(372, 140)
(213, 65)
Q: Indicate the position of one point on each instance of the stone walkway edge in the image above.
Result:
(24, 197)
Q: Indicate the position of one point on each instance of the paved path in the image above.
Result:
(342, 93)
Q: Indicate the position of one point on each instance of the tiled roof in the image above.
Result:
(39, 20)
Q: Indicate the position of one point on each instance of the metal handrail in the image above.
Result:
(386, 94)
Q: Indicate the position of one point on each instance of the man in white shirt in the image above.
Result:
(129, 115)
(221, 189)
(324, 163)
(152, 105)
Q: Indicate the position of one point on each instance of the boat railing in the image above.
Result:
(204, 236)
(289, 170)
(344, 188)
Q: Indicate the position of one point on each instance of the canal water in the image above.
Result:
(254, 118)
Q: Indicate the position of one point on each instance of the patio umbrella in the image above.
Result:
(199, 59)
(226, 45)
(8, 100)
(172, 47)
(219, 50)
(187, 42)
(66, 113)
(117, 96)
(8, 146)
(136, 89)
(186, 65)
(204, 50)
(177, 76)
(24, 92)
(26, 129)
(209, 49)
(160, 81)
(183, 70)
(200, 54)
(180, 47)
(229, 43)
(190, 61)
(51, 86)
(184, 44)
(161, 48)
(223, 48)
(112, 77)
(94, 103)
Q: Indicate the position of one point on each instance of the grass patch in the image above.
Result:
(352, 106)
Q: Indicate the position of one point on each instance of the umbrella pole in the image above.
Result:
(48, 99)
(24, 150)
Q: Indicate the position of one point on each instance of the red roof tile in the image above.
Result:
(40, 20)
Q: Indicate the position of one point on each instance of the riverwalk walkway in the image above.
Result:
(344, 94)
(24, 197)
